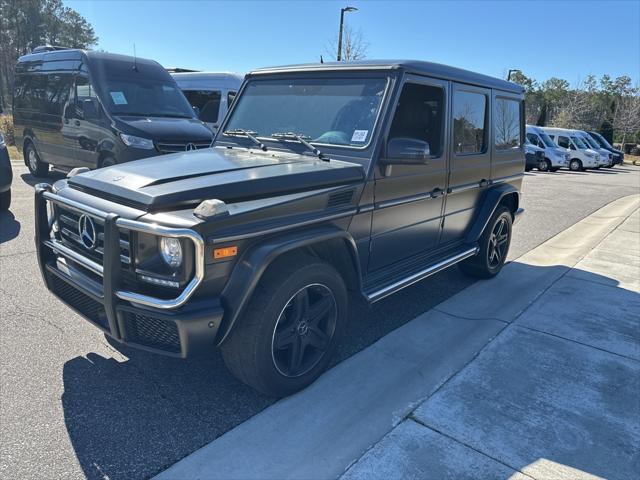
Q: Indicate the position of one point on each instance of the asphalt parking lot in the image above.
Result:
(73, 406)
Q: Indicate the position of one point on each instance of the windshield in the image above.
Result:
(326, 111)
(601, 140)
(590, 142)
(579, 143)
(137, 94)
(547, 140)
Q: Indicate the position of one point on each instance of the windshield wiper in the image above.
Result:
(239, 132)
(302, 140)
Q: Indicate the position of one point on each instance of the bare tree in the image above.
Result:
(627, 116)
(354, 46)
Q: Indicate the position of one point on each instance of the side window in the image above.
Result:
(507, 124)
(419, 115)
(533, 138)
(57, 93)
(84, 92)
(231, 96)
(564, 142)
(469, 118)
(208, 103)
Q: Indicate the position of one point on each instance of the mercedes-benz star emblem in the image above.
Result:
(87, 232)
(190, 146)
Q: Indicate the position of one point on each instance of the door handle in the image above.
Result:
(437, 192)
(484, 183)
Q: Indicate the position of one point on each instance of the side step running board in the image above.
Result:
(416, 277)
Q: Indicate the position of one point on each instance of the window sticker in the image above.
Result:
(118, 98)
(359, 135)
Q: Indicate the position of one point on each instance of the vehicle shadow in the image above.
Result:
(9, 226)
(131, 419)
(51, 178)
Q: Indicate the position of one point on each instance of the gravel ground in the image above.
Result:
(73, 406)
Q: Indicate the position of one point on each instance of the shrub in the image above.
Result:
(6, 126)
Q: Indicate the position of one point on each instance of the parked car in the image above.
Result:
(555, 157)
(534, 157)
(618, 155)
(210, 93)
(582, 157)
(606, 157)
(327, 182)
(6, 176)
(75, 108)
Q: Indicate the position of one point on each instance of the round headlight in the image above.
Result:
(171, 251)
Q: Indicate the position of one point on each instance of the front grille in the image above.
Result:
(83, 303)
(152, 332)
(68, 222)
(181, 146)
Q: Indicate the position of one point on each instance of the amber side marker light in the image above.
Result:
(225, 252)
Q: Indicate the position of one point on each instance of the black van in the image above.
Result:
(75, 108)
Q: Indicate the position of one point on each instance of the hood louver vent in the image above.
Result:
(339, 199)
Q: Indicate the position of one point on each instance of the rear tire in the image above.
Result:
(294, 321)
(575, 165)
(5, 200)
(36, 166)
(494, 246)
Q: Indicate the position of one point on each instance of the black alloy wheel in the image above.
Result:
(304, 330)
(498, 243)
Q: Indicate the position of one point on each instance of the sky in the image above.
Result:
(566, 39)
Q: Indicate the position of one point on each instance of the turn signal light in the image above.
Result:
(225, 252)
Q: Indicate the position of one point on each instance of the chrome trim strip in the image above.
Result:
(416, 277)
(366, 208)
(463, 188)
(75, 256)
(508, 177)
(268, 231)
(403, 200)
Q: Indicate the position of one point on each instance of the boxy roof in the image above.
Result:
(410, 66)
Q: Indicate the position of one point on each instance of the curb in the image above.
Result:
(321, 431)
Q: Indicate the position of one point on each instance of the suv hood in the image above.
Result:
(182, 180)
(161, 129)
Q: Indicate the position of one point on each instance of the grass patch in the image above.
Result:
(631, 159)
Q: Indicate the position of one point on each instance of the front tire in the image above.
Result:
(5, 200)
(286, 337)
(494, 246)
(36, 166)
(544, 166)
(575, 165)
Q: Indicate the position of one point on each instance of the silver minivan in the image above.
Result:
(210, 93)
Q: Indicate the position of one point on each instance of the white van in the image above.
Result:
(555, 157)
(582, 157)
(210, 93)
(606, 157)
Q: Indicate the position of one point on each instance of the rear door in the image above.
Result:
(470, 162)
(409, 198)
(507, 159)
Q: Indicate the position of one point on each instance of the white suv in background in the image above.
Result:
(582, 156)
(555, 157)
(606, 157)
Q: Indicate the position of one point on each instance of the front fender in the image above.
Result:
(250, 268)
(490, 202)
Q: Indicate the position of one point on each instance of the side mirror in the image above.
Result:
(407, 151)
(89, 109)
(572, 146)
(197, 110)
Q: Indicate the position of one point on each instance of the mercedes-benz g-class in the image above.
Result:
(325, 183)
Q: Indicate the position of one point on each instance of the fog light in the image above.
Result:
(171, 251)
(159, 281)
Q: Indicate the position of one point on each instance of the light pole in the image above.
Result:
(342, 10)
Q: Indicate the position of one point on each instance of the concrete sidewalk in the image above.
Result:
(534, 374)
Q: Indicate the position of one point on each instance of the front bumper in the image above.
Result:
(172, 327)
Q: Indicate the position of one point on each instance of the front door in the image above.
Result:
(83, 122)
(409, 198)
(470, 164)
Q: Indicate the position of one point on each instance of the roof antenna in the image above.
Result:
(135, 59)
